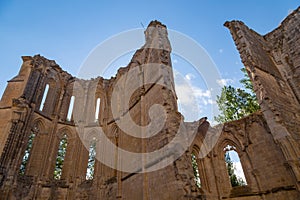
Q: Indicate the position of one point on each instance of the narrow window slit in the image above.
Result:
(27, 153)
(44, 97)
(91, 161)
(71, 106)
(196, 170)
(62, 149)
(97, 109)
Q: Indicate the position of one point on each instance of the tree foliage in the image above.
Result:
(235, 103)
(91, 161)
(234, 180)
(62, 149)
(27, 153)
(196, 171)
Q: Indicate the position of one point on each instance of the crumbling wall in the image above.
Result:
(49, 121)
(267, 142)
(261, 158)
(272, 62)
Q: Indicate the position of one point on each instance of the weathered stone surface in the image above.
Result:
(267, 142)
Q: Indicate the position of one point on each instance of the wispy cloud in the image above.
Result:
(223, 82)
(189, 76)
(192, 99)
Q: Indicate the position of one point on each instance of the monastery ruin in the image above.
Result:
(46, 153)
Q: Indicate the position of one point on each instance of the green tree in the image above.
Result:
(91, 161)
(234, 180)
(235, 103)
(27, 153)
(196, 171)
(62, 149)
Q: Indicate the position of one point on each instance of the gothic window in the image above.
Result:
(196, 169)
(234, 167)
(27, 152)
(70, 111)
(61, 153)
(91, 161)
(97, 109)
(44, 97)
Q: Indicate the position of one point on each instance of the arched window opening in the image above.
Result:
(196, 170)
(71, 106)
(62, 149)
(44, 97)
(27, 152)
(234, 167)
(97, 109)
(91, 161)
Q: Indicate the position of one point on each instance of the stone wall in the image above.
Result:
(272, 62)
(267, 142)
(263, 162)
(50, 123)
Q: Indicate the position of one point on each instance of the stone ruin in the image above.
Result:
(267, 142)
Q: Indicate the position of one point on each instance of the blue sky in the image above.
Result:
(66, 31)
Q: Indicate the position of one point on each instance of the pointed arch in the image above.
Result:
(48, 101)
(90, 171)
(229, 151)
(35, 129)
(65, 144)
(60, 157)
(91, 143)
(232, 141)
(234, 167)
(65, 130)
(40, 124)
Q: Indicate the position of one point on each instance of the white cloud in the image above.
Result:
(189, 76)
(210, 101)
(198, 92)
(184, 93)
(191, 99)
(223, 82)
(238, 170)
(221, 50)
